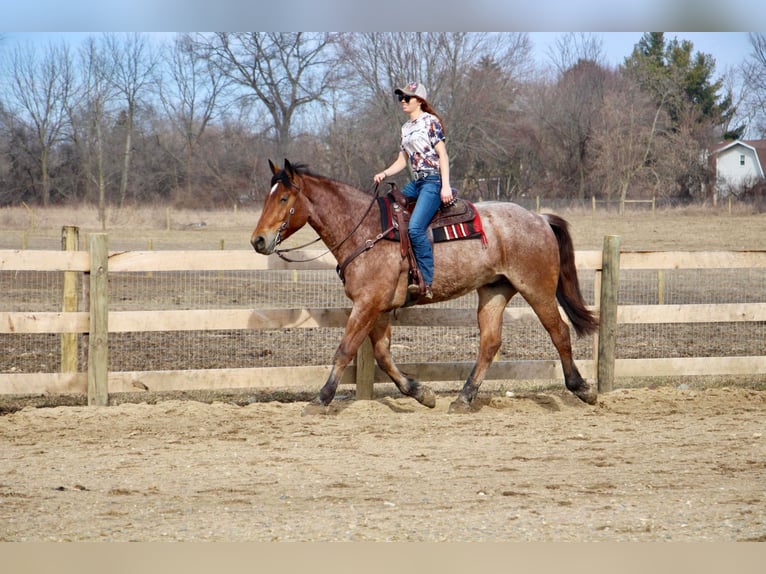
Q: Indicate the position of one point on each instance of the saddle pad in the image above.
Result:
(461, 222)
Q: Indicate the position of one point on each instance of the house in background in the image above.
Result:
(738, 166)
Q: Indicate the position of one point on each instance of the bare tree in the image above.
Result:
(573, 47)
(38, 87)
(472, 80)
(90, 114)
(754, 73)
(286, 73)
(132, 62)
(566, 112)
(189, 89)
(627, 137)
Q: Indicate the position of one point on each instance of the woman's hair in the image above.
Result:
(426, 107)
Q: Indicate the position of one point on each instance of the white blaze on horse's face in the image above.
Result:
(268, 233)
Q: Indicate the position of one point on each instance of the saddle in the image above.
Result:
(457, 220)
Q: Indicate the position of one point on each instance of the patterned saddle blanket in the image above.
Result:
(460, 220)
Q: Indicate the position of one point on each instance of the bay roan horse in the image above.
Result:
(525, 253)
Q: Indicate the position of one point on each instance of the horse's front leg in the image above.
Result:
(357, 328)
(381, 345)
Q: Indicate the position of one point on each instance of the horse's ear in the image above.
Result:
(274, 169)
(289, 169)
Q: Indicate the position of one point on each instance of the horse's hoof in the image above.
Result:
(315, 408)
(427, 398)
(459, 407)
(587, 393)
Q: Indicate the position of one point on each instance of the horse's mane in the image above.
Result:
(303, 169)
(282, 177)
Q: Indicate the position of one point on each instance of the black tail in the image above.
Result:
(568, 290)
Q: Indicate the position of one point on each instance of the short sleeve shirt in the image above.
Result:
(419, 137)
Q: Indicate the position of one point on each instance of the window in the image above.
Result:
(742, 159)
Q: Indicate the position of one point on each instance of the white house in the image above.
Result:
(738, 165)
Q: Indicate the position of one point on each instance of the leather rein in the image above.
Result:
(368, 244)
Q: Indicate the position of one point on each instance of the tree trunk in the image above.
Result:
(46, 182)
(126, 158)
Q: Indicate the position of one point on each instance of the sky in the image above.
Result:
(728, 48)
(386, 15)
(714, 27)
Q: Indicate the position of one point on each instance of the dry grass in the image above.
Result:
(687, 229)
(156, 227)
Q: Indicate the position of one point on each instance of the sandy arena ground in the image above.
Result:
(644, 464)
(647, 464)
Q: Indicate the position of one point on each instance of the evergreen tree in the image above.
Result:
(681, 81)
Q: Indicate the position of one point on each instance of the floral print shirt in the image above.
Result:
(419, 137)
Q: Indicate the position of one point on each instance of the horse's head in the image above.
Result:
(283, 212)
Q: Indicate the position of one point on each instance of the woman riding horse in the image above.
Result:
(525, 253)
(423, 147)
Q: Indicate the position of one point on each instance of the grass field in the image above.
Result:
(685, 229)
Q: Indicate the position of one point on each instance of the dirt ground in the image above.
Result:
(672, 463)
(650, 464)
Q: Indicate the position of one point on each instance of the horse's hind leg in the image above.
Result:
(380, 335)
(548, 313)
(492, 302)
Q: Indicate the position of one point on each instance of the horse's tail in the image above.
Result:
(568, 290)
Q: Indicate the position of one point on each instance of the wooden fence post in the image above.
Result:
(365, 371)
(607, 332)
(98, 341)
(150, 247)
(70, 241)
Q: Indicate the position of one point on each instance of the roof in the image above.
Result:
(758, 146)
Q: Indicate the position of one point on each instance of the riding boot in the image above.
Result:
(416, 284)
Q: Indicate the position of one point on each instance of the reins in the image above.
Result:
(280, 252)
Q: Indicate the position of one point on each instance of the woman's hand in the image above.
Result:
(446, 195)
(393, 169)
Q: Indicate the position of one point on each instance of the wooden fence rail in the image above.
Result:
(97, 322)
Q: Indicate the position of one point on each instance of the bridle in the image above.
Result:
(367, 245)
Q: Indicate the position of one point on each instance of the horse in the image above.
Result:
(525, 252)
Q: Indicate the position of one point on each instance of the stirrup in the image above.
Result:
(413, 289)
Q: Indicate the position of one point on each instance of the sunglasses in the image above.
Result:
(403, 98)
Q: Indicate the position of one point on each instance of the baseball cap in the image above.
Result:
(413, 89)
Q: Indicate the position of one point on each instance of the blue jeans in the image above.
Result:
(427, 192)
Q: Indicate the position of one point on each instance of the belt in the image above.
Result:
(426, 173)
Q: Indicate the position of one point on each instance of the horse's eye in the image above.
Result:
(284, 198)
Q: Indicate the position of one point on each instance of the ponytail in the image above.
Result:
(426, 107)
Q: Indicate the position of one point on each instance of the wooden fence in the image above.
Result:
(95, 322)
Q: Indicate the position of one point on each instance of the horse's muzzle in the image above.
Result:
(262, 245)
